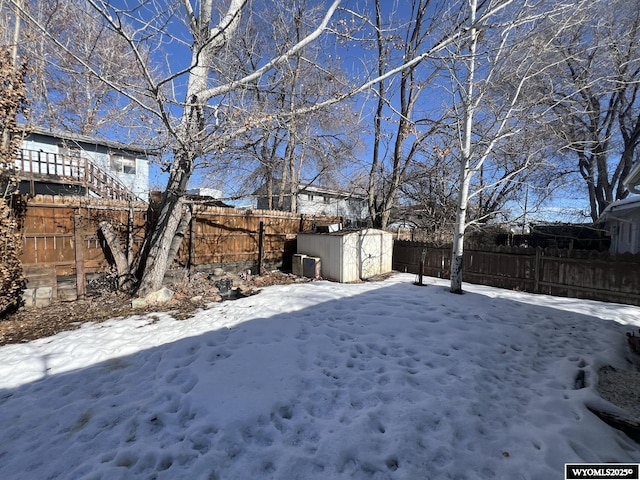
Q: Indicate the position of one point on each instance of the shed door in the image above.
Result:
(369, 255)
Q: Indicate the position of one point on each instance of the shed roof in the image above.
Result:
(345, 231)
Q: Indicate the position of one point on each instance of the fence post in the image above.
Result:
(79, 255)
(423, 254)
(130, 233)
(192, 239)
(538, 266)
(260, 248)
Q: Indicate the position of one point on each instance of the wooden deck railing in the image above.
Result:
(45, 166)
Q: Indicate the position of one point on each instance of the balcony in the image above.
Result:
(52, 168)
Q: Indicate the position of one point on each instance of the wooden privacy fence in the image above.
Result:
(61, 245)
(567, 273)
(243, 239)
(63, 251)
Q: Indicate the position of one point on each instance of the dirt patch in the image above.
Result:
(622, 388)
(190, 296)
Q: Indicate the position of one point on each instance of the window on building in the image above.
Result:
(326, 199)
(310, 196)
(123, 163)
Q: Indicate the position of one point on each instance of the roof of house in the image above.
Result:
(345, 231)
(330, 191)
(626, 205)
(75, 137)
(632, 181)
(307, 188)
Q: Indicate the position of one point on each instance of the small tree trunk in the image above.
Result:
(123, 267)
(293, 181)
(179, 236)
(269, 188)
(282, 187)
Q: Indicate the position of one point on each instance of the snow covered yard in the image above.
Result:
(321, 381)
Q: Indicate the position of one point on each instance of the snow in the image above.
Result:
(380, 380)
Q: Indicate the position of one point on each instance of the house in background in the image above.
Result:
(313, 200)
(622, 217)
(622, 220)
(61, 163)
(632, 182)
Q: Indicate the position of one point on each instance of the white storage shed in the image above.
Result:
(349, 255)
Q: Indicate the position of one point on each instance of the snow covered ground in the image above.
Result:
(323, 381)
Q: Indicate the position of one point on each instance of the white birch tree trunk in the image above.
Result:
(469, 105)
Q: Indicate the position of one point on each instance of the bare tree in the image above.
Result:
(296, 149)
(513, 184)
(411, 118)
(399, 123)
(593, 95)
(490, 47)
(430, 187)
(65, 94)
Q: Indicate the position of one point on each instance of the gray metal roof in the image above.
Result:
(75, 137)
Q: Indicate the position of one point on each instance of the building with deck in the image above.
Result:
(62, 163)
